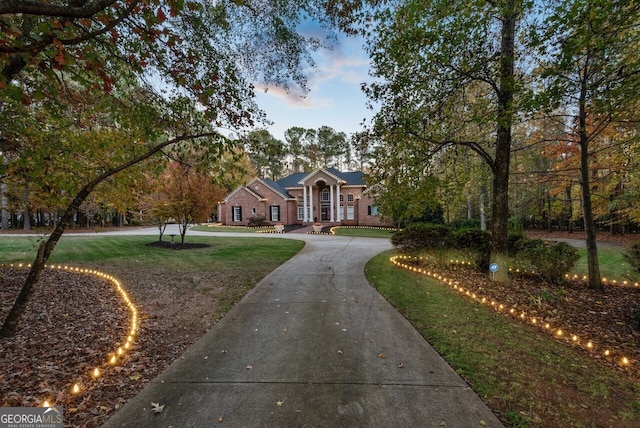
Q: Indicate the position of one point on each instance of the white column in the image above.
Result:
(304, 204)
(331, 204)
(311, 203)
(338, 200)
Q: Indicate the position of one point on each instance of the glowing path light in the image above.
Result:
(558, 333)
(120, 350)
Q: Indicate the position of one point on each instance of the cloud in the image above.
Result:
(295, 98)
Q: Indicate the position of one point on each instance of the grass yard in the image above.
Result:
(366, 232)
(234, 229)
(524, 375)
(612, 264)
(180, 294)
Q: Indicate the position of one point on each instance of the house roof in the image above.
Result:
(246, 189)
(355, 178)
(291, 180)
(277, 187)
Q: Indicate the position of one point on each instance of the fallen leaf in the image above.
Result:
(157, 408)
(279, 403)
(381, 355)
(483, 423)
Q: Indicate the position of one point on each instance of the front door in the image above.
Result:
(325, 212)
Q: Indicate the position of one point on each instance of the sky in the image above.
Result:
(335, 98)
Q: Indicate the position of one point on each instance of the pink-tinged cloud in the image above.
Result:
(295, 98)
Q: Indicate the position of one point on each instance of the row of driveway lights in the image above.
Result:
(401, 261)
(121, 350)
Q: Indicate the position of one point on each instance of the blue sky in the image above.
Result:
(335, 98)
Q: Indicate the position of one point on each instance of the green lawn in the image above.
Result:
(133, 249)
(612, 264)
(236, 229)
(524, 375)
(367, 232)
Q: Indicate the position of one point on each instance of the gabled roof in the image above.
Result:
(355, 178)
(245, 188)
(277, 187)
(291, 180)
(326, 171)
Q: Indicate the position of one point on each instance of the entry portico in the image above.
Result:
(327, 187)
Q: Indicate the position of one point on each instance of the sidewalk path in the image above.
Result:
(312, 345)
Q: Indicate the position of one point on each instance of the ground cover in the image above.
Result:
(529, 376)
(233, 229)
(525, 375)
(365, 232)
(76, 321)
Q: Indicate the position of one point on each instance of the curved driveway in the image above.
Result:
(312, 345)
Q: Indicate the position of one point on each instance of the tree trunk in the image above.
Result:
(44, 251)
(570, 209)
(549, 219)
(499, 253)
(483, 216)
(4, 221)
(593, 266)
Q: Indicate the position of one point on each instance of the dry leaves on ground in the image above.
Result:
(75, 321)
(582, 314)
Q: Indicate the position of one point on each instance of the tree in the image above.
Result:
(189, 193)
(590, 69)
(197, 51)
(294, 137)
(447, 76)
(331, 144)
(265, 152)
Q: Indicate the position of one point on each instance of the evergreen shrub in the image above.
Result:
(478, 243)
(552, 260)
(417, 237)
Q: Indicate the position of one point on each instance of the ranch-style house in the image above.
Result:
(326, 196)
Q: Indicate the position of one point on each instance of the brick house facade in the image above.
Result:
(331, 197)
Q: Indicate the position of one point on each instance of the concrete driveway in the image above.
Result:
(312, 345)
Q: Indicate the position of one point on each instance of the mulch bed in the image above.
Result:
(603, 318)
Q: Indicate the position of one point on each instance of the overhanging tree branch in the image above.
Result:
(74, 9)
(46, 247)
